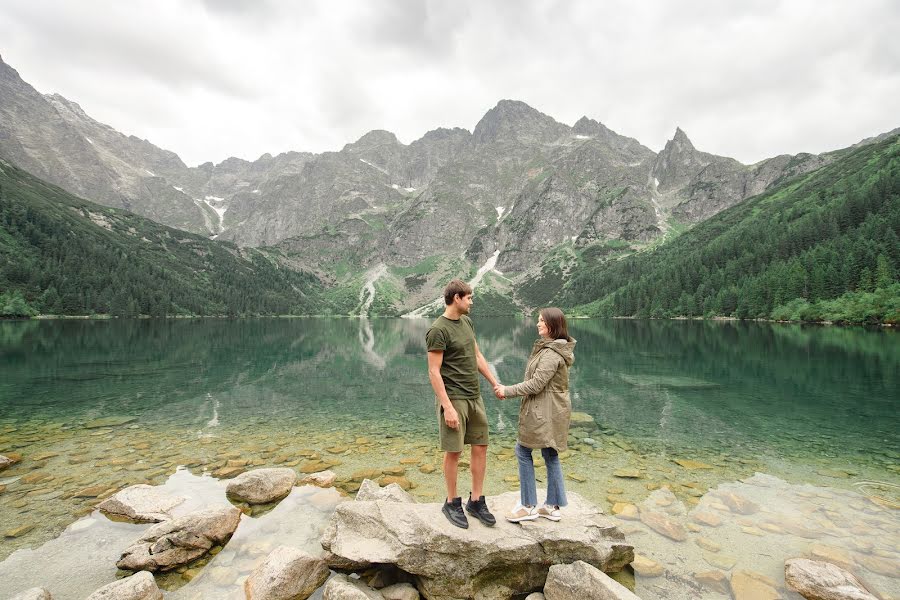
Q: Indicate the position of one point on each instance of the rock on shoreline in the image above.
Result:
(177, 542)
(141, 503)
(262, 486)
(286, 573)
(140, 586)
(819, 580)
(510, 558)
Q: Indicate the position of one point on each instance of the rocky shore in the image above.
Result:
(386, 546)
(381, 545)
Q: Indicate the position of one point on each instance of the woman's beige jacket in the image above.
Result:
(546, 407)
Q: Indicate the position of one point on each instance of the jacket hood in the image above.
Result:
(566, 349)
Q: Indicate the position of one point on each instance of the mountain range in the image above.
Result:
(384, 218)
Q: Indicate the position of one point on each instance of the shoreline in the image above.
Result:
(730, 528)
(101, 317)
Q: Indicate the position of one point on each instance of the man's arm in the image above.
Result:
(435, 360)
(484, 368)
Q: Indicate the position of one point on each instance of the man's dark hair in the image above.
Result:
(555, 321)
(457, 286)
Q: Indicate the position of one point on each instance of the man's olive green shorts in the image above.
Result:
(473, 425)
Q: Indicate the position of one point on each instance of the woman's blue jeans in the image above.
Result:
(556, 491)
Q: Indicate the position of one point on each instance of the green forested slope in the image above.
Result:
(822, 247)
(60, 254)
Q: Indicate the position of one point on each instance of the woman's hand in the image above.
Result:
(498, 391)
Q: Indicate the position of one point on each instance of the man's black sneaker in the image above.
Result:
(454, 513)
(479, 510)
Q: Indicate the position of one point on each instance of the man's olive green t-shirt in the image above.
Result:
(459, 369)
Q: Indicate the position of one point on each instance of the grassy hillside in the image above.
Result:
(821, 247)
(63, 255)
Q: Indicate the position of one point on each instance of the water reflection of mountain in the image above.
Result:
(680, 384)
(743, 382)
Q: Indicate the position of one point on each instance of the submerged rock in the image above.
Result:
(582, 420)
(628, 473)
(141, 503)
(37, 593)
(816, 580)
(286, 574)
(663, 525)
(322, 479)
(736, 503)
(716, 581)
(109, 422)
(691, 464)
(179, 541)
(581, 581)
(5, 462)
(625, 510)
(140, 586)
(749, 585)
(646, 567)
(449, 562)
(262, 486)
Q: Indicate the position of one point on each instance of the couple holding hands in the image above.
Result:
(454, 362)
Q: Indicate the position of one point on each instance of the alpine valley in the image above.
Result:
(531, 210)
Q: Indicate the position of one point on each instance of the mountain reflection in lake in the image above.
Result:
(681, 409)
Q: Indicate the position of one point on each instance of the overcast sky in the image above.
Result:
(221, 78)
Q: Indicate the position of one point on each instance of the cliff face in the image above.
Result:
(55, 140)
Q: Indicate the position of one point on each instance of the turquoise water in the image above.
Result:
(679, 386)
(812, 406)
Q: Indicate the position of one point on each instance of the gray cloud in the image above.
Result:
(209, 79)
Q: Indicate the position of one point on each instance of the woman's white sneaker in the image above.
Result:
(521, 513)
(548, 512)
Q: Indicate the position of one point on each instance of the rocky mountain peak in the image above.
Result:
(8, 73)
(678, 150)
(596, 129)
(64, 105)
(681, 139)
(443, 133)
(513, 120)
(373, 139)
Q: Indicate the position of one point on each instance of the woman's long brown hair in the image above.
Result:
(555, 321)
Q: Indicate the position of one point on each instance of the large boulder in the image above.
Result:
(37, 593)
(341, 587)
(179, 541)
(140, 586)
(392, 492)
(286, 574)
(141, 503)
(817, 580)
(581, 581)
(262, 486)
(449, 562)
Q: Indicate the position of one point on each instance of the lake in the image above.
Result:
(800, 421)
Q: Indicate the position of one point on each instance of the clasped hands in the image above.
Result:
(498, 391)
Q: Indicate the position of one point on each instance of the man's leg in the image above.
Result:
(477, 506)
(453, 508)
(478, 467)
(451, 470)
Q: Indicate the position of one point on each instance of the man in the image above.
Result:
(454, 362)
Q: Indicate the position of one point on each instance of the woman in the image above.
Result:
(544, 416)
